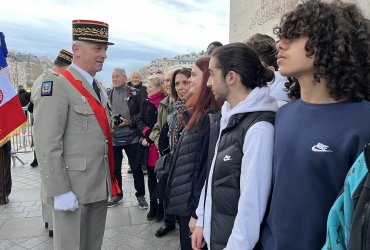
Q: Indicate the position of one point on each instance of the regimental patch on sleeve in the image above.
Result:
(47, 88)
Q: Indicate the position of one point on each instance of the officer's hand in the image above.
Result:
(66, 202)
(197, 240)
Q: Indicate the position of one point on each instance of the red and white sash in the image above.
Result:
(101, 116)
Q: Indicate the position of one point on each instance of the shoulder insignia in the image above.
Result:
(47, 88)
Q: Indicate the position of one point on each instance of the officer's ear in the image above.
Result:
(76, 48)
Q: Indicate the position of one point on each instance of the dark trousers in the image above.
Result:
(6, 178)
(152, 182)
(137, 172)
(185, 240)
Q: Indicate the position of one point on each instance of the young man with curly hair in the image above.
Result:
(320, 134)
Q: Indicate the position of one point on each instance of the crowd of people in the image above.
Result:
(247, 149)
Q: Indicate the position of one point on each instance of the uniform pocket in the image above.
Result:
(80, 117)
(76, 170)
(75, 164)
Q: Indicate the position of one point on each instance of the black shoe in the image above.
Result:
(151, 214)
(163, 230)
(160, 213)
(6, 201)
(153, 210)
(51, 234)
(46, 225)
(34, 163)
(115, 200)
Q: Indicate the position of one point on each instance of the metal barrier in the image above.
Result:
(22, 141)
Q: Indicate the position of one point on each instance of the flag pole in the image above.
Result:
(2, 175)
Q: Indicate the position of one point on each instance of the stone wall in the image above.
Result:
(248, 17)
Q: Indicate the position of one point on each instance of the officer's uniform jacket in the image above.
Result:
(70, 145)
(43, 196)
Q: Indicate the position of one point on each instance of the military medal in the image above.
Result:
(84, 99)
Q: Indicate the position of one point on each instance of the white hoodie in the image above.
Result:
(277, 89)
(256, 172)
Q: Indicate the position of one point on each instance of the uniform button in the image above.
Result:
(106, 141)
(85, 112)
(44, 161)
(46, 177)
(105, 156)
(67, 167)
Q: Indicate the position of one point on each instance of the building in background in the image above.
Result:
(25, 68)
(161, 66)
(248, 17)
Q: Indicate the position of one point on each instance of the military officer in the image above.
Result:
(73, 142)
(63, 60)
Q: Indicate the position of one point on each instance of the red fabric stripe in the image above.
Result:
(90, 22)
(11, 117)
(101, 116)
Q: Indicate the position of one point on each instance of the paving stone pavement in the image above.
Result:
(21, 225)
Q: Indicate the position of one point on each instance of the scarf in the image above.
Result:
(156, 98)
(177, 125)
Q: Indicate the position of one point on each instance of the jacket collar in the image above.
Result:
(78, 76)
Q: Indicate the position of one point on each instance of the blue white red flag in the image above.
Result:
(12, 116)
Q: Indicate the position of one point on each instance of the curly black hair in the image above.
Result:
(339, 39)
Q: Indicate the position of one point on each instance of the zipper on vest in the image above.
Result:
(365, 225)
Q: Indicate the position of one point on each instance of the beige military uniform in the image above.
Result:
(72, 151)
(46, 202)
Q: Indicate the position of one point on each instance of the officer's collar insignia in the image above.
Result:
(84, 99)
(47, 88)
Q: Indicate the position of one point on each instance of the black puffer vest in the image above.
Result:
(226, 175)
(185, 170)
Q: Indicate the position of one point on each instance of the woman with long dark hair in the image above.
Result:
(180, 92)
(188, 171)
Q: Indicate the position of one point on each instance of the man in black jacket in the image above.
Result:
(24, 97)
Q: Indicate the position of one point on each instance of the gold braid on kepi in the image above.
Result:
(65, 56)
(90, 31)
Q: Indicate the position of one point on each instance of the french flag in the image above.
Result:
(12, 116)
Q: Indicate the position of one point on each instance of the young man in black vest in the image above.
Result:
(235, 196)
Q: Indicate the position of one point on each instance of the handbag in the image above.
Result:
(123, 138)
(160, 165)
(161, 170)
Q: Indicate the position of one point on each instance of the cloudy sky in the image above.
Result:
(142, 30)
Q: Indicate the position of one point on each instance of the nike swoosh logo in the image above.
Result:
(227, 158)
(316, 149)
